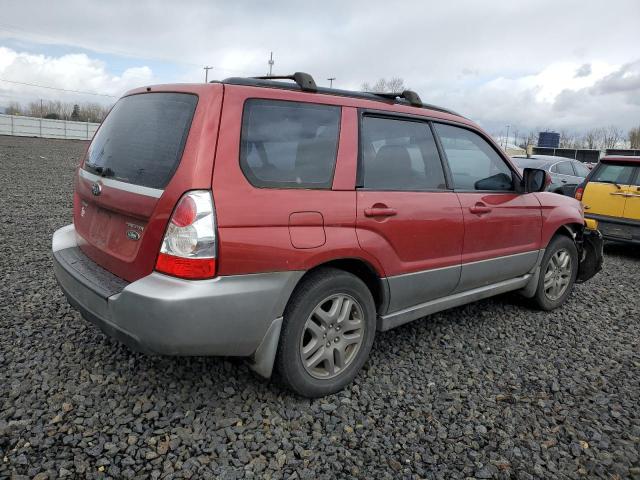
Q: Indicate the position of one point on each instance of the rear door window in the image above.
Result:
(474, 164)
(289, 144)
(142, 139)
(399, 155)
(564, 168)
(613, 173)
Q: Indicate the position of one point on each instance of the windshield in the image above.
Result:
(142, 139)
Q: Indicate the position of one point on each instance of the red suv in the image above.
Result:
(288, 223)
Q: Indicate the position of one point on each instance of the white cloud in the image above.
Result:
(68, 72)
(494, 61)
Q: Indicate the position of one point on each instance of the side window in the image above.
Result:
(581, 170)
(289, 144)
(399, 155)
(611, 173)
(474, 164)
(565, 168)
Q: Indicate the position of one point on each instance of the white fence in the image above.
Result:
(44, 127)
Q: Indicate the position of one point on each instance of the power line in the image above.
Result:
(57, 88)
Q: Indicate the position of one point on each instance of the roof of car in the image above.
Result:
(621, 158)
(387, 98)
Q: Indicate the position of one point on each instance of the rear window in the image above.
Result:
(612, 173)
(289, 144)
(142, 139)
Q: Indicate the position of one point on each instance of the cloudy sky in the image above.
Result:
(531, 64)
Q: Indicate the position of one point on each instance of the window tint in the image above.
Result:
(142, 139)
(581, 170)
(611, 173)
(565, 168)
(289, 144)
(474, 164)
(399, 155)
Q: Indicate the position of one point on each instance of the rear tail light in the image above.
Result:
(579, 192)
(189, 246)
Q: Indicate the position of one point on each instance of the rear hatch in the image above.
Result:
(145, 155)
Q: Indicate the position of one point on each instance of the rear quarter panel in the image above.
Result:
(253, 223)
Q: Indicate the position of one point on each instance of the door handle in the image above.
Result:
(479, 209)
(380, 212)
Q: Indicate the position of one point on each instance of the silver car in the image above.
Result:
(566, 173)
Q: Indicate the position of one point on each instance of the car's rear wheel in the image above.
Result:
(558, 272)
(327, 333)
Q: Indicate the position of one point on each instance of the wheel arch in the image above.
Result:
(571, 230)
(361, 269)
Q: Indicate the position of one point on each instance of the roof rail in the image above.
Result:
(409, 95)
(303, 80)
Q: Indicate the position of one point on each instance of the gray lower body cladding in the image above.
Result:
(416, 295)
(228, 315)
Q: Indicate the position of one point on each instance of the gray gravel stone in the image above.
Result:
(489, 390)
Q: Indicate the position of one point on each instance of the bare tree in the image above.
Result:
(612, 135)
(634, 138)
(14, 108)
(393, 85)
(592, 138)
(85, 112)
(567, 139)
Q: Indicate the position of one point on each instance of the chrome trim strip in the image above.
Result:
(501, 258)
(127, 187)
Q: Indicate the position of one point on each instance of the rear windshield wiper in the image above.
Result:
(102, 171)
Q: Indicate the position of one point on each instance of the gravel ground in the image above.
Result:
(490, 390)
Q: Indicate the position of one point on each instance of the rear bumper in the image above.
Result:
(229, 315)
(618, 229)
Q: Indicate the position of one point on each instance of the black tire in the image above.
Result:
(542, 299)
(313, 290)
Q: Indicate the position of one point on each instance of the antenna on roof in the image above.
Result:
(304, 80)
(409, 95)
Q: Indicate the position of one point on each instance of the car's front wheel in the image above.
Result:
(327, 333)
(557, 273)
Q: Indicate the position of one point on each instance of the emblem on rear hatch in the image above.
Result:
(133, 235)
(96, 189)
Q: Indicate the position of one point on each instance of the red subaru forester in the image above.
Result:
(288, 223)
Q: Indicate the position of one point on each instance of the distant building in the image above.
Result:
(549, 139)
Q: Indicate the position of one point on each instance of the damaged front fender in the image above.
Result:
(590, 244)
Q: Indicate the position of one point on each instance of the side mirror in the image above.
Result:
(535, 180)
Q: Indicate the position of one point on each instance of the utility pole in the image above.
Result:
(206, 73)
(331, 79)
(40, 108)
(270, 63)
(506, 142)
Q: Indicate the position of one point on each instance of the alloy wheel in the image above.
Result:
(332, 336)
(558, 274)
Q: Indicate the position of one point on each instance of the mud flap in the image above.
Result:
(591, 256)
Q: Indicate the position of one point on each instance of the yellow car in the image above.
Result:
(611, 198)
